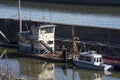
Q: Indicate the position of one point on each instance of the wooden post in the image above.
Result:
(65, 54)
(74, 42)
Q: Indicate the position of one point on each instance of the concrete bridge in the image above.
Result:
(94, 37)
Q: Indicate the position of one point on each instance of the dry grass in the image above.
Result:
(6, 73)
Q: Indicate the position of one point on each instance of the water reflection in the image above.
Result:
(38, 70)
(91, 75)
(69, 72)
(9, 67)
(30, 69)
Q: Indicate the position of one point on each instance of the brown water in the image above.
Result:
(31, 69)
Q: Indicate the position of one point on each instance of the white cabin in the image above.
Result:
(39, 38)
(44, 33)
(91, 57)
(91, 60)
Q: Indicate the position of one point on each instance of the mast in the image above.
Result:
(20, 19)
(74, 41)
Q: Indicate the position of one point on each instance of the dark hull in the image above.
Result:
(87, 66)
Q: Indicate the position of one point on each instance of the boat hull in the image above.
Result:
(91, 66)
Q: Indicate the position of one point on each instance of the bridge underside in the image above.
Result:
(103, 40)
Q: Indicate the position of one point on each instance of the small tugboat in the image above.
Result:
(91, 60)
(39, 39)
(39, 42)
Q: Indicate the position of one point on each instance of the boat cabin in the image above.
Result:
(91, 57)
(37, 39)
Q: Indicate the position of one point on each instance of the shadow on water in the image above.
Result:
(31, 69)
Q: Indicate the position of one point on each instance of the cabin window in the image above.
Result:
(50, 42)
(88, 59)
(100, 59)
(97, 59)
(81, 57)
(85, 58)
(47, 30)
(94, 59)
(43, 31)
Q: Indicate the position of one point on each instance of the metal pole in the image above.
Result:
(4, 36)
(74, 41)
(20, 19)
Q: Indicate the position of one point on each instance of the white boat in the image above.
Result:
(39, 39)
(91, 60)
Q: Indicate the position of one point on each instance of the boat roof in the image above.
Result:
(44, 26)
(91, 53)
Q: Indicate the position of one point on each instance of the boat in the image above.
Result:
(91, 60)
(38, 40)
(88, 59)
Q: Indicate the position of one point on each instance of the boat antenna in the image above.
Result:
(74, 41)
(20, 19)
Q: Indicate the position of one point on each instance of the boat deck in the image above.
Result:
(111, 60)
(49, 57)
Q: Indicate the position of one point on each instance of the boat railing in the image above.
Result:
(92, 52)
(46, 46)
